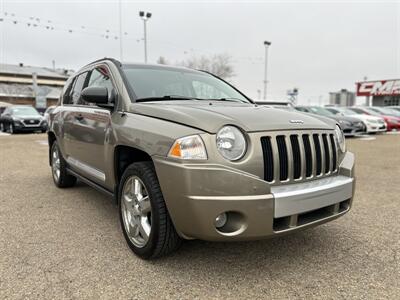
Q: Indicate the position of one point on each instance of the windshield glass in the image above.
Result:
(321, 111)
(24, 111)
(149, 82)
(386, 111)
(347, 112)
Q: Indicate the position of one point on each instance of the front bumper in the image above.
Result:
(354, 129)
(20, 126)
(375, 127)
(196, 194)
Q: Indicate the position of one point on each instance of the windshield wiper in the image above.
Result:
(166, 98)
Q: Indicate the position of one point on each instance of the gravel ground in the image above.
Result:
(67, 243)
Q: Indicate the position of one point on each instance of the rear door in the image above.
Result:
(91, 129)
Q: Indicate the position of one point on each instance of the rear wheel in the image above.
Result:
(61, 177)
(145, 221)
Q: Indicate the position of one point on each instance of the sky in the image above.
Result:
(317, 46)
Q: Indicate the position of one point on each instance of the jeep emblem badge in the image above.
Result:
(296, 121)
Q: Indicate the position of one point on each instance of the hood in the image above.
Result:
(210, 116)
(346, 119)
(35, 117)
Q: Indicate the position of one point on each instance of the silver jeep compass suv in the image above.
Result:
(188, 156)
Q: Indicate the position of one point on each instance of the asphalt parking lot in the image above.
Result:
(67, 243)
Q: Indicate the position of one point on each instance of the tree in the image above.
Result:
(218, 64)
(162, 60)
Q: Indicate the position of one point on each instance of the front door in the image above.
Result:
(92, 127)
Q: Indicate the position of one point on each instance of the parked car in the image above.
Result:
(392, 122)
(47, 113)
(3, 106)
(373, 124)
(396, 108)
(188, 156)
(386, 111)
(350, 126)
(22, 118)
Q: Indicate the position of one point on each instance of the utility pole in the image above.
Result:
(145, 17)
(120, 30)
(366, 97)
(266, 44)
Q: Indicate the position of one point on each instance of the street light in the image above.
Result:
(266, 44)
(145, 17)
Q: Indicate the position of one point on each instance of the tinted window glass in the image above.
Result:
(78, 86)
(66, 94)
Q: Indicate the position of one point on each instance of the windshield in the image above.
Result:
(172, 84)
(347, 112)
(24, 111)
(386, 111)
(321, 111)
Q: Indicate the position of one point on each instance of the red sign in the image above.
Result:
(379, 88)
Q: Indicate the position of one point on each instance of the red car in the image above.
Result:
(392, 122)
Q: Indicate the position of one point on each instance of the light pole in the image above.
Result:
(145, 17)
(266, 44)
(120, 29)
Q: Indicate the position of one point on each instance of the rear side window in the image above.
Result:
(66, 93)
(78, 86)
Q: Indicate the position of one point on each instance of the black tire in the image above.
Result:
(163, 238)
(11, 128)
(64, 179)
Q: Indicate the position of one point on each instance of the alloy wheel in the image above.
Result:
(55, 164)
(136, 211)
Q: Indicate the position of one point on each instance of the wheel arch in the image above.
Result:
(123, 157)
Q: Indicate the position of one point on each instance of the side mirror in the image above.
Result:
(95, 94)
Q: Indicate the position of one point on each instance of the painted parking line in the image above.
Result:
(367, 138)
(42, 142)
(4, 134)
(392, 132)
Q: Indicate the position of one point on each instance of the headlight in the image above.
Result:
(392, 121)
(189, 147)
(231, 143)
(340, 138)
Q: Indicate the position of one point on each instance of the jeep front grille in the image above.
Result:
(297, 157)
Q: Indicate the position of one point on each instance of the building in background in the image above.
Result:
(36, 86)
(383, 92)
(342, 98)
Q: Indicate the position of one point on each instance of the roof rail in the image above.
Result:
(113, 60)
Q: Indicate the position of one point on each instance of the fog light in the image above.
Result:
(220, 220)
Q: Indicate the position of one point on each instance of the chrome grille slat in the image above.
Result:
(289, 151)
(302, 158)
(321, 144)
(334, 153)
(292, 157)
(274, 147)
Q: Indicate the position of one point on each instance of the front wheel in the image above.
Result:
(145, 221)
(11, 129)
